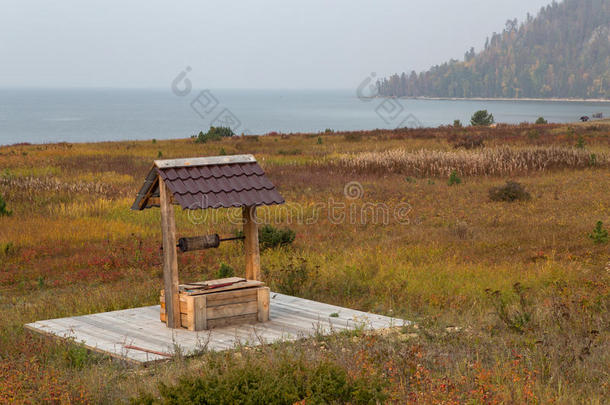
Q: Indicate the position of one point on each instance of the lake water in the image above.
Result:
(36, 116)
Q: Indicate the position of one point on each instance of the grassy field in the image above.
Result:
(510, 299)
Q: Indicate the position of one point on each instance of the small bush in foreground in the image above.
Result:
(287, 382)
(599, 234)
(511, 191)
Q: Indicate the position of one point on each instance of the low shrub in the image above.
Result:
(541, 121)
(215, 134)
(287, 381)
(511, 191)
(225, 271)
(270, 236)
(599, 234)
(4, 211)
(454, 178)
(291, 275)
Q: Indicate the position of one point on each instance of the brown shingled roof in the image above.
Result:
(211, 182)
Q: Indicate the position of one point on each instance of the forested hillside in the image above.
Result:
(562, 52)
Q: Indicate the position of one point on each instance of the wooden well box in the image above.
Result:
(222, 302)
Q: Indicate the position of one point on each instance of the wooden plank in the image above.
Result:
(144, 200)
(134, 360)
(232, 310)
(98, 333)
(170, 258)
(153, 201)
(212, 283)
(231, 320)
(238, 286)
(253, 260)
(263, 304)
(232, 297)
(190, 314)
(204, 161)
(200, 310)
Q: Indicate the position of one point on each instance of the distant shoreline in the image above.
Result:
(559, 100)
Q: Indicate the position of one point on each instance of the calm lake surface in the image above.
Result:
(37, 116)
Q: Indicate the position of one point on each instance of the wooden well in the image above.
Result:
(202, 183)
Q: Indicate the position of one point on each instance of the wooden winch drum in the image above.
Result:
(199, 242)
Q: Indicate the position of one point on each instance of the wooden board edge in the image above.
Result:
(112, 355)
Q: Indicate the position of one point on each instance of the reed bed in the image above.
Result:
(495, 161)
(39, 184)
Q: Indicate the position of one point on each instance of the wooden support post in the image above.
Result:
(253, 260)
(263, 304)
(170, 258)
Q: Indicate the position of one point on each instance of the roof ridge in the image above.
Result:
(204, 161)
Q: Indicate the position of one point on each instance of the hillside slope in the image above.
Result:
(563, 52)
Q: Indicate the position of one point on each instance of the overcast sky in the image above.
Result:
(238, 44)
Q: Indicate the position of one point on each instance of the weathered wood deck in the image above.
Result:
(137, 334)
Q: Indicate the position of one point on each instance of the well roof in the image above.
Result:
(209, 182)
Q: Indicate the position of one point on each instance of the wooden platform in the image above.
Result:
(137, 335)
